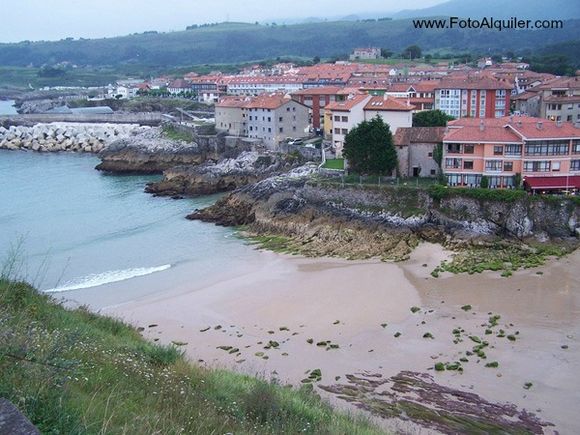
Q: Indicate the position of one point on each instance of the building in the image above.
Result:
(560, 100)
(271, 118)
(231, 115)
(179, 87)
(480, 97)
(506, 148)
(365, 53)
(417, 149)
(317, 99)
(347, 114)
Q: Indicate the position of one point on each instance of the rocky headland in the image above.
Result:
(301, 213)
(225, 175)
(62, 136)
(151, 152)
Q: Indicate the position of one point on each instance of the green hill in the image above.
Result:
(75, 372)
(241, 42)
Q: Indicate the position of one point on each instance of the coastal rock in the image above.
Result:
(227, 174)
(150, 152)
(321, 219)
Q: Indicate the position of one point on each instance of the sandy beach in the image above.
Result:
(362, 310)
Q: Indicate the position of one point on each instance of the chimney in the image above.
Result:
(481, 125)
(540, 125)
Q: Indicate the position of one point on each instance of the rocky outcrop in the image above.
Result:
(150, 152)
(357, 222)
(54, 137)
(227, 174)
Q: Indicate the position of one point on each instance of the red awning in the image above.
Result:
(553, 183)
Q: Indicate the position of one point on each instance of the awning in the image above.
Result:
(553, 183)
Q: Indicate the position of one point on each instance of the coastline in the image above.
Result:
(361, 305)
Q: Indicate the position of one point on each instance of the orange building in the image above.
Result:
(500, 149)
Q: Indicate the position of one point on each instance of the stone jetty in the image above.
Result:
(77, 137)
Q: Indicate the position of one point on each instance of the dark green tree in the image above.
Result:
(386, 53)
(412, 52)
(369, 148)
(484, 182)
(431, 118)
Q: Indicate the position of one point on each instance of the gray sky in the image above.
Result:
(56, 19)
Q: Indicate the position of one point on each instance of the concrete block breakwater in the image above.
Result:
(89, 138)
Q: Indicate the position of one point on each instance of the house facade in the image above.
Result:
(416, 150)
(560, 100)
(365, 53)
(480, 97)
(347, 114)
(535, 149)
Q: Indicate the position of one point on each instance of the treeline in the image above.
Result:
(239, 42)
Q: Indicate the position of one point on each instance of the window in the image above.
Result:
(345, 131)
(344, 119)
(294, 128)
(547, 148)
(508, 166)
(430, 154)
(500, 93)
(337, 118)
(575, 165)
(468, 149)
(498, 150)
(337, 131)
(468, 165)
(280, 119)
(453, 148)
(269, 119)
(538, 166)
(281, 130)
(555, 166)
(576, 146)
(512, 150)
(433, 172)
(453, 163)
(494, 165)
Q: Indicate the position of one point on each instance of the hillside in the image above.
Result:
(524, 9)
(239, 42)
(74, 372)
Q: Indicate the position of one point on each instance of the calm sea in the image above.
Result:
(7, 108)
(99, 239)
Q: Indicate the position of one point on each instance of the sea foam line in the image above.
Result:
(98, 279)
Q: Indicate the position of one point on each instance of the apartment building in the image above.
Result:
(480, 97)
(269, 117)
(560, 100)
(544, 153)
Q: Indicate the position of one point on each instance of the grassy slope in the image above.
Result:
(76, 372)
(233, 43)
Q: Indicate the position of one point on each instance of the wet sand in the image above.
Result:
(361, 305)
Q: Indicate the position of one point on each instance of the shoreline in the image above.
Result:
(289, 300)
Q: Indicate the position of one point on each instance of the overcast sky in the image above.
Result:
(56, 19)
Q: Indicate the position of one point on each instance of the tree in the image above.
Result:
(386, 53)
(484, 182)
(412, 52)
(369, 148)
(316, 60)
(431, 118)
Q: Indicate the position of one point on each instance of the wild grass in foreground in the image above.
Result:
(75, 372)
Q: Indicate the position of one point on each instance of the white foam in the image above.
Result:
(97, 279)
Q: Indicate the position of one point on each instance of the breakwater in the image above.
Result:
(79, 137)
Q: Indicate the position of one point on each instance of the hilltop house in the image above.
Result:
(365, 53)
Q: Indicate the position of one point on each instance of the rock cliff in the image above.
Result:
(319, 218)
(152, 152)
(227, 174)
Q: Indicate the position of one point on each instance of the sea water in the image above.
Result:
(100, 239)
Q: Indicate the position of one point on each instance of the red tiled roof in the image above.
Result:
(268, 101)
(473, 83)
(348, 104)
(321, 90)
(233, 102)
(549, 183)
(388, 104)
(508, 129)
